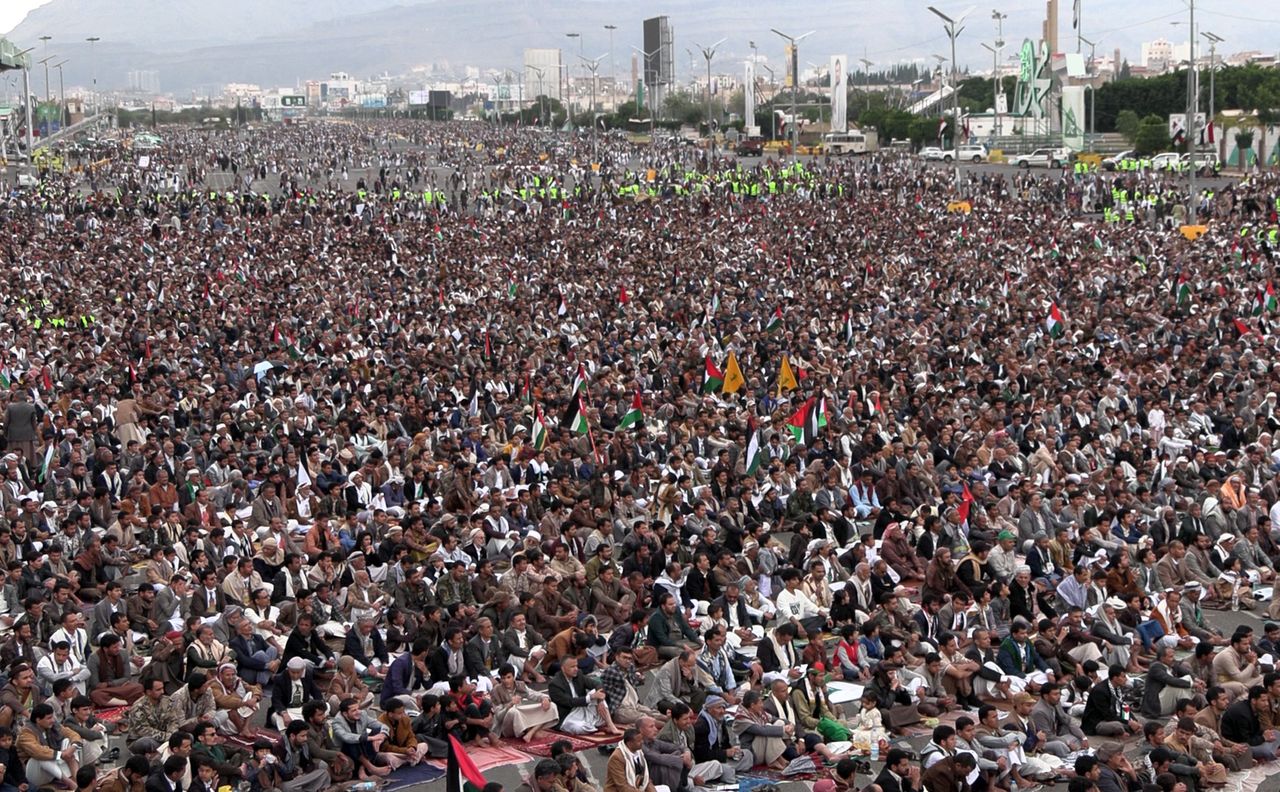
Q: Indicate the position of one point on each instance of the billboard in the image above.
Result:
(839, 93)
(373, 100)
(440, 99)
(418, 98)
(293, 101)
(749, 94)
(1178, 127)
(1073, 117)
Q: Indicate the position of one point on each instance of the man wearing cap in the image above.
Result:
(290, 690)
(713, 743)
(1193, 616)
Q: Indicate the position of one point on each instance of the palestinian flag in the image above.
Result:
(715, 303)
(48, 460)
(488, 346)
(633, 416)
(539, 433)
(712, 378)
(148, 251)
(526, 393)
(1182, 290)
(1054, 250)
(462, 775)
(575, 418)
(623, 298)
(756, 455)
(5, 381)
(1004, 287)
(1266, 300)
(1097, 242)
(511, 288)
(808, 420)
(579, 380)
(564, 307)
(775, 322)
(1242, 328)
(848, 328)
(1053, 322)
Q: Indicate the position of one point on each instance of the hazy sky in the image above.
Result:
(12, 12)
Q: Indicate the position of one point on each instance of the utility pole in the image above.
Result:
(795, 84)
(26, 97)
(644, 80)
(954, 29)
(995, 83)
(1214, 41)
(593, 66)
(866, 79)
(63, 115)
(773, 94)
(1093, 90)
(93, 64)
(1192, 104)
(542, 96)
(709, 53)
(613, 66)
(48, 97)
(568, 74)
(999, 20)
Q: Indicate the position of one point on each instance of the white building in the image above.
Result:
(1156, 55)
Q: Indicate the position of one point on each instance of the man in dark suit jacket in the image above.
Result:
(483, 651)
(1240, 724)
(449, 659)
(293, 687)
(306, 643)
(518, 642)
(167, 777)
(899, 774)
(364, 644)
(1104, 712)
(569, 690)
(207, 599)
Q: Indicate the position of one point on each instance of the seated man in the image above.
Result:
(582, 707)
(713, 742)
(50, 754)
(364, 644)
(290, 690)
(1105, 713)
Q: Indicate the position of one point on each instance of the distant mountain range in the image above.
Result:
(197, 46)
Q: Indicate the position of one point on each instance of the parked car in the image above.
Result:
(1042, 158)
(1113, 163)
(1169, 160)
(27, 181)
(973, 153)
(1207, 162)
(932, 153)
(749, 147)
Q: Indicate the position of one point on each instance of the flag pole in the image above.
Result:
(591, 432)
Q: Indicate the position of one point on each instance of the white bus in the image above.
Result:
(851, 142)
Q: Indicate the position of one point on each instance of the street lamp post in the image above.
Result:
(644, 80)
(1093, 90)
(795, 82)
(48, 97)
(999, 20)
(93, 64)
(26, 97)
(593, 66)
(613, 66)
(542, 97)
(1214, 41)
(63, 115)
(954, 29)
(773, 94)
(709, 53)
(568, 73)
(995, 84)
(866, 80)
(1192, 104)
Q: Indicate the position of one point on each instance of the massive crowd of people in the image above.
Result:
(405, 433)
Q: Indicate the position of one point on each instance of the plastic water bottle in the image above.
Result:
(1235, 599)
(875, 750)
(363, 786)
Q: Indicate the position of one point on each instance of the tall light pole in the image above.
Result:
(542, 96)
(44, 62)
(568, 73)
(795, 83)
(26, 97)
(644, 80)
(999, 19)
(773, 94)
(995, 85)
(593, 66)
(709, 53)
(613, 66)
(954, 29)
(1214, 41)
(866, 75)
(93, 64)
(62, 95)
(1193, 102)
(1093, 90)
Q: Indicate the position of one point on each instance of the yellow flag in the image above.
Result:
(733, 380)
(786, 378)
